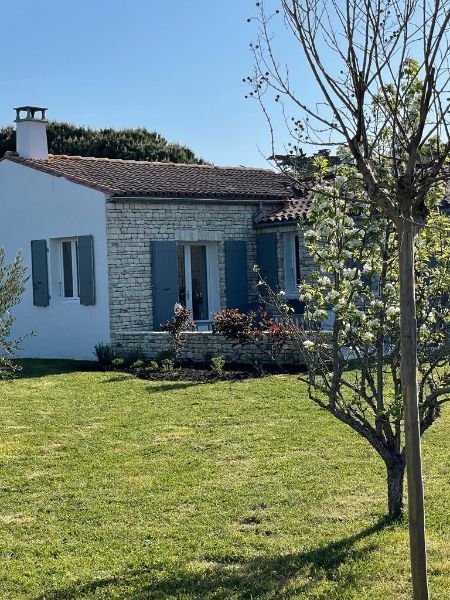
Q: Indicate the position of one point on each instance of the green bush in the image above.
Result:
(153, 366)
(132, 357)
(104, 354)
(167, 365)
(138, 364)
(118, 363)
(217, 365)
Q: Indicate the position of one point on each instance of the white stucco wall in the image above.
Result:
(33, 206)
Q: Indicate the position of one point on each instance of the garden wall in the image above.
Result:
(200, 346)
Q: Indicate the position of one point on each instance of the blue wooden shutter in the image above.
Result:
(86, 270)
(236, 273)
(39, 269)
(266, 249)
(165, 281)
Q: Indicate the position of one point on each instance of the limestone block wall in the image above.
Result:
(132, 225)
(200, 346)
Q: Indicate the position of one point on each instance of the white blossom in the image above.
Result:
(308, 344)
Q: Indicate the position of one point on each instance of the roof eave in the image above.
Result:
(283, 223)
(196, 199)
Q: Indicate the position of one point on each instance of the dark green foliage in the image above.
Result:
(118, 363)
(127, 144)
(104, 354)
(167, 365)
(217, 365)
(138, 364)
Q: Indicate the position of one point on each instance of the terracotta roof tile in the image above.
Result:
(155, 179)
(292, 210)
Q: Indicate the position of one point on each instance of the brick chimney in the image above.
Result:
(31, 132)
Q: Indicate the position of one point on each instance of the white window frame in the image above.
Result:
(212, 274)
(75, 270)
(290, 265)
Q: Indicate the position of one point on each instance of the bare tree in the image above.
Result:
(357, 52)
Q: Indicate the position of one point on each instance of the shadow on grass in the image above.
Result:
(225, 577)
(172, 386)
(37, 367)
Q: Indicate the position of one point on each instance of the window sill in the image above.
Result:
(67, 300)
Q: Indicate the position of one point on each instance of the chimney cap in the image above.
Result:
(31, 112)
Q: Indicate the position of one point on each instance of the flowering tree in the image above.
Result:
(392, 119)
(354, 369)
(12, 286)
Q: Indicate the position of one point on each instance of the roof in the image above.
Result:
(157, 179)
(291, 211)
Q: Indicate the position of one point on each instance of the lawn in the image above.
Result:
(113, 487)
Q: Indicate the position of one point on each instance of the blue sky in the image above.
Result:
(173, 66)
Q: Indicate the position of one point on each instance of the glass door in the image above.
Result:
(193, 279)
(199, 283)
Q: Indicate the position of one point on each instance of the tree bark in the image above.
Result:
(395, 477)
(408, 369)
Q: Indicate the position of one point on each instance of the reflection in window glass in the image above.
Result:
(67, 269)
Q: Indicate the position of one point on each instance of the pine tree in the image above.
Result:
(128, 144)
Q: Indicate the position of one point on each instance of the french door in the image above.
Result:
(198, 279)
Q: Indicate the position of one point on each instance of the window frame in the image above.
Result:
(212, 276)
(292, 266)
(75, 269)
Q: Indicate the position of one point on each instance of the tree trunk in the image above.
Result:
(395, 476)
(408, 369)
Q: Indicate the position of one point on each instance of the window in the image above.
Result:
(292, 273)
(72, 274)
(65, 271)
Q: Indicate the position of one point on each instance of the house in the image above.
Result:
(112, 245)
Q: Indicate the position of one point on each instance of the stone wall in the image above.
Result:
(200, 346)
(132, 225)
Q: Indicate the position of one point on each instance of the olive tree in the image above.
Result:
(12, 286)
(355, 51)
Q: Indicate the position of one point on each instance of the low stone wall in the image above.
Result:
(200, 346)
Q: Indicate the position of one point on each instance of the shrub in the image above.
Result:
(132, 357)
(167, 365)
(138, 364)
(217, 365)
(234, 325)
(118, 363)
(153, 366)
(176, 327)
(254, 328)
(104, 354)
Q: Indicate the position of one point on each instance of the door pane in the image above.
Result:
(199, 283)
(181, 276)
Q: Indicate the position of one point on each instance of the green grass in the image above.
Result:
(113, 487)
